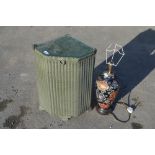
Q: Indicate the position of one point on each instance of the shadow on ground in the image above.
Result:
(138, 62)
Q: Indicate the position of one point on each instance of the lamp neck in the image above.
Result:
(110, 68)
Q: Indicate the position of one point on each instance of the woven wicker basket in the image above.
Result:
(64, 76)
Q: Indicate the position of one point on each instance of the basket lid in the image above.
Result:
(65, 46)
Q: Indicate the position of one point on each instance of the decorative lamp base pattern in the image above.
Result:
(107, 88)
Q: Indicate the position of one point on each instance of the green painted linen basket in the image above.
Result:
(64, 76)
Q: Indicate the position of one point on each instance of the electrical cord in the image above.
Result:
(128, 108)
(123, 121)
(110, 111)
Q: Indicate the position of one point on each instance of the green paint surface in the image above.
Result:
(66, 46)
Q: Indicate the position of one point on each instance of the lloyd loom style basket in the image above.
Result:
(64, 76)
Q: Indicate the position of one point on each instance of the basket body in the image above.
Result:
(64, 83)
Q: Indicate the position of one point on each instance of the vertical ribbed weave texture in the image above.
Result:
(64, 89)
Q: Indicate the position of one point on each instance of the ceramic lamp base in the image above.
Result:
(103, 111)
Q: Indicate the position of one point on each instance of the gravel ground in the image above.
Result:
(18, 91)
